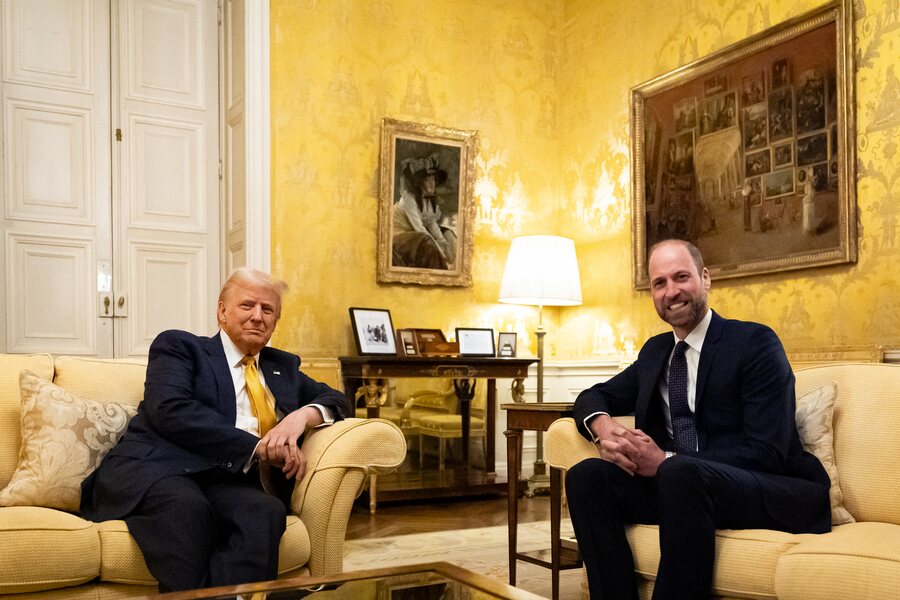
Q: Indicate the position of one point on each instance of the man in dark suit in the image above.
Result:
(715, 445)
(204, 471)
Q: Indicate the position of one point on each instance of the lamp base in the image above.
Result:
(538, 485)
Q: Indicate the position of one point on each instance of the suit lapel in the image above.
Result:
(222, 373)
(277, 380)
(649, 406)
(710, 347)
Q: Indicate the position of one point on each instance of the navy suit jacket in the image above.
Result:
(744, 413)
(186, 423)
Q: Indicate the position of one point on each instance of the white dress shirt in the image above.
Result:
(245, 419)
(694, 340)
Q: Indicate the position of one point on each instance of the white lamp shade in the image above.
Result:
(541, 270)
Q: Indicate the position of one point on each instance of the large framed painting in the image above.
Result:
(748, 153)
(426, 208)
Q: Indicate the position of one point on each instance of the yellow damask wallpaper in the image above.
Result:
(338, 67)
(546, 83)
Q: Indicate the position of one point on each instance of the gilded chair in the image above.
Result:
(448, 425)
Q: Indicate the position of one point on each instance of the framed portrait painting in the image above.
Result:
(763, 177)
(426, 209)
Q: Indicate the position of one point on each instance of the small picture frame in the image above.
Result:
(475, 342)
(406, 342)
(373, 331)
(506, 343)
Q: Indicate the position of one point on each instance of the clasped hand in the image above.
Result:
(631, 450)
(279, 446)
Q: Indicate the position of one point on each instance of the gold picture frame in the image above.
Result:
(702, 141)
(426, 207)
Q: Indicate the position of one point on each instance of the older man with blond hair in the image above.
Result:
(204, 472)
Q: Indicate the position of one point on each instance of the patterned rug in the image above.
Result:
(483, 550)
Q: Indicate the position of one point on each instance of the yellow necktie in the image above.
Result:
(259, 402)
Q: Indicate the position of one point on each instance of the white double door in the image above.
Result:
(110, 173)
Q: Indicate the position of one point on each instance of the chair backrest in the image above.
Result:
(866, 435)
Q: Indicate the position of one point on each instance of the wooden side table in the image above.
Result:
(536, 417)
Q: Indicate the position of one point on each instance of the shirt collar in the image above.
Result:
(695, 338)
(232, 353)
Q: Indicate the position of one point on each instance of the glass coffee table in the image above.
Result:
(430, 581)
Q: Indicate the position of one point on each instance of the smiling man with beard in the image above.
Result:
(715, 444)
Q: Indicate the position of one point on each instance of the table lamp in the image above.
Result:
(541, 270)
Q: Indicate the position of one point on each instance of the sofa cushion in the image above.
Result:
(735, 549)
(867, 402)
(814, 423)
(11, 405)
(64, 438)
(122, 380)
(858, 560)
(122, 561)
(45, 549)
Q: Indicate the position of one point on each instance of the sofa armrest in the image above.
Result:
(339, 460)
(564, 447)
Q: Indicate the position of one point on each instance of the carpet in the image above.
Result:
(483, 550)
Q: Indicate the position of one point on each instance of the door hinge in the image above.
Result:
(220, 169)
(118, 134)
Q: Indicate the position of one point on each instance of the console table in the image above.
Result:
(371, 371)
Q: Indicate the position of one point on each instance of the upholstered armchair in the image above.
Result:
(47, 550)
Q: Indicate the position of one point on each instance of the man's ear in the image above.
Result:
(707, 280)
(220, 312)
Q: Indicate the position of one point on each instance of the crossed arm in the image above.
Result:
(279, 447)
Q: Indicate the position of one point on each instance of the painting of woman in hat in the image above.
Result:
(423, 234)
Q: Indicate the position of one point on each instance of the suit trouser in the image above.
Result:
(212, 528)
(689, 499)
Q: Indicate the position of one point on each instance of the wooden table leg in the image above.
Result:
(555, 544)
(513, 439)
(373, 493)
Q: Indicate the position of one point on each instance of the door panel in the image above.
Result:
(45, 139)
(49, 43)
(54, 289)
(167, 168)
(56, 173)
(165, 192)
(103, 100)
(181, 302)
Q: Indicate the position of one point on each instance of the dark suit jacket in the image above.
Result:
(186, 423)
(744, 413)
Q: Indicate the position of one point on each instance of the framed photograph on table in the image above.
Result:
(373, 331)
(475, 342)
(767, 108)
(406, 342)
(506, 343)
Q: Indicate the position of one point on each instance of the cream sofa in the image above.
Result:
(49, 553)
(855, 561)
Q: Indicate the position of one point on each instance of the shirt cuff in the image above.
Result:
(587, 424)
(327, 418)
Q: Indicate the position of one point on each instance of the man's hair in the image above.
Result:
(255, 276)
(692, 249)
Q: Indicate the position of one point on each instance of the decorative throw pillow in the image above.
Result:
(64, 437)
(814, 416)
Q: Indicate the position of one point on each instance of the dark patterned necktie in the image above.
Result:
(683, 428)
